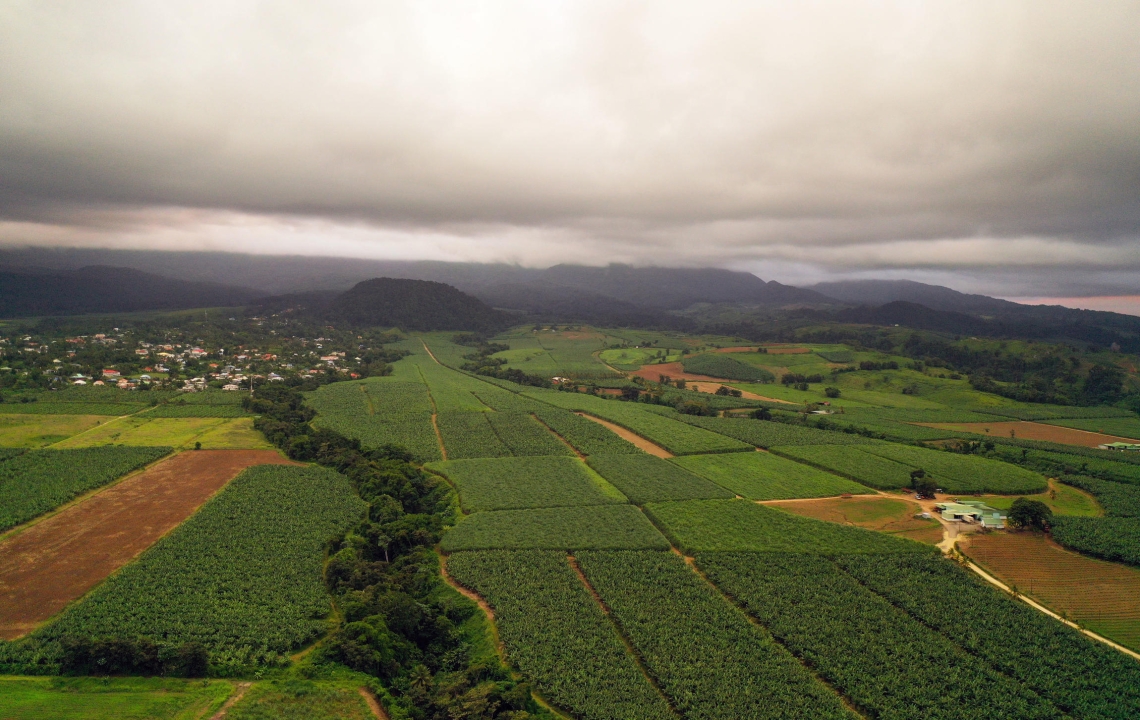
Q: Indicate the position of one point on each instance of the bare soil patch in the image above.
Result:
(630, 436)
(888, 515)
(750, 348)
(673, 370)
(59, 559)
(788, 350)
(711, 388)
(1101, 596)
(373, 704)
(1031, 431)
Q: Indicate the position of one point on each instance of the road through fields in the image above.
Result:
(57, 560)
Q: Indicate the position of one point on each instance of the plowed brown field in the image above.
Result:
(1102, 596)
(888, 515)
(1031, 431)
(57, 560)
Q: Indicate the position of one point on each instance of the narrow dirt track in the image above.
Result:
(59, 559)
(630, 436)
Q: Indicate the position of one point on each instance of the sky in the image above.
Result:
(989, 146)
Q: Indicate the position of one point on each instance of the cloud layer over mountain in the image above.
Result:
(982, 140)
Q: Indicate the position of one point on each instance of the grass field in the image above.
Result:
(526, 482)
(565, 528)
(885, 515)
(764, 476)
(34, 431)
(36, 698)
(213, 433)
(296, 698)
(1062, 500)
(1099, 595)
(739, 525)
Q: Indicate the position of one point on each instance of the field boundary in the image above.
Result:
(564, 441)
(641, 442)
(239, 692)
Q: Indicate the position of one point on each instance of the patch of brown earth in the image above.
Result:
(894, 516)
(674, 370)
(1031, 431)
(750, 348)
(1101, 596)
(776, 350)
(630, 436)
(60, 558)
(373, 704)
(711, 388)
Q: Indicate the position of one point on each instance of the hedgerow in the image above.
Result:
(37, 481)
(764, 476)
(885, 661)
(557, 635)
(703, 525)
(1109, 538)
(645, 478)
(563, 528)
(525, 482)
(849, 461)
(249, 591)
(705, 655)
(1084, 678)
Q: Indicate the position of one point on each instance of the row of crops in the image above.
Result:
(719, 365)
(242, 576)
(38, 481)
(526, 482)
(764, 476)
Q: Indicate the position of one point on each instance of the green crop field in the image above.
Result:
(645, 478)
(766, 434)
(1111, 538)
(564, 528)
(190, 410)
(72, 408)
(847, 460)
(557, 634)
(35, 698)
(703, 653)
(721, 365)
(763, 476)
(634, 358)
(1117, 499)
(893, 666)
(250, 591)
(38, 481)
(587, 436)
(963, 473)
(526, 482)
(470, 435)
(668, 432)
(525, 436)
(702, 525)
(1083, 677)
(1127, 427)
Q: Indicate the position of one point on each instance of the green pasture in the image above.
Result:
(1062, 500)
(36, 698)
(213, 433)
(1127, 427)
(35, 431)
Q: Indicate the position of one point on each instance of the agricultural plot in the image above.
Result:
(634, 358)
(379, 412)
(469, 435)
(1111, 538)
(557, 635)
(588, 437)
(1060, 498)
(849, 461)
(719, 365)
(41, 480)
(1117, 499)
(396, 399)
(885, 515)
(249, 591)
(566, 528)
(1029, 431)
(676, 437)
(72, 408)
(33, 431)
(1128, 427)
(704, 654)
(34, 698)
(526, 482)
(1097, 595)
(705, 525)
(213, 433)
(766, 434)
(190, 410)
(886, 662)
(1082, 677)
(763, 476)
(451, 390)
(644, 478)
(963, 473)
(208, 397)
(525, 436)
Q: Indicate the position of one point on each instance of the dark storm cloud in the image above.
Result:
(971, 138)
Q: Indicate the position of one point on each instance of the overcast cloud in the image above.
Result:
(991, 146)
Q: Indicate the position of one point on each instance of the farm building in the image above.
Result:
(1122, 446)
(972, 511)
